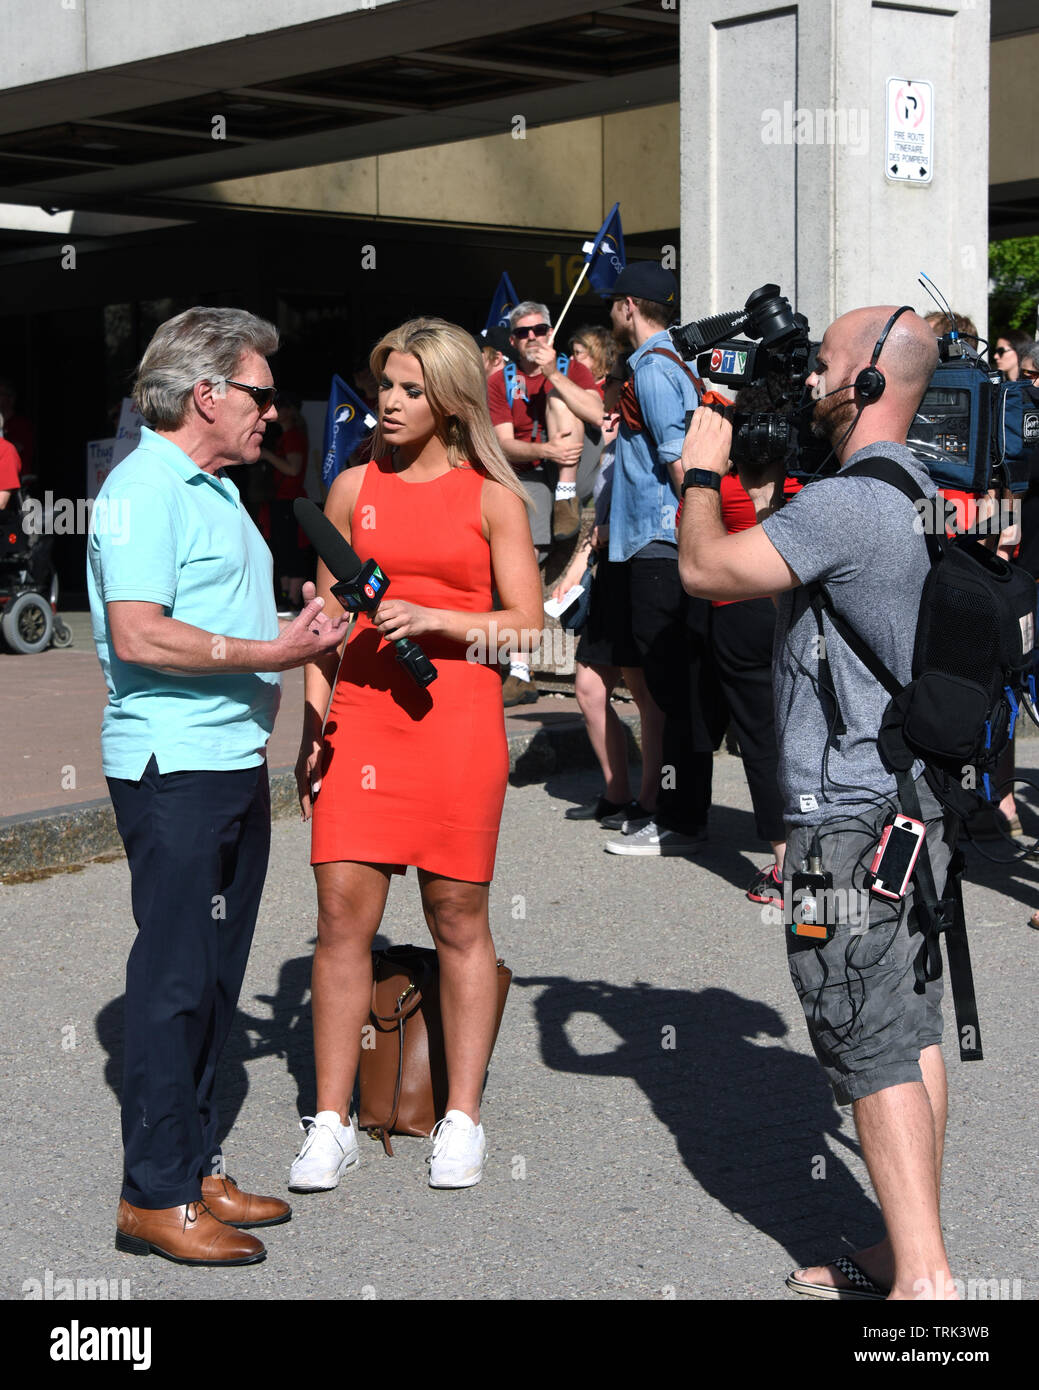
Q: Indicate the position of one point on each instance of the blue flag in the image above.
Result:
(504, 301)
(606, 253)
(347, 421)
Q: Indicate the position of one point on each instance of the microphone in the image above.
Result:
(360, 588)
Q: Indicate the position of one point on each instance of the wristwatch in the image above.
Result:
(701, 477)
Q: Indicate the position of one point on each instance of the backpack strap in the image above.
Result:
(666, 352)
(631, 408)
(885, 470)
(932, 916)
(510, 380)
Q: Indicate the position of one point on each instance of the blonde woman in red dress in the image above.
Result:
(403, 775)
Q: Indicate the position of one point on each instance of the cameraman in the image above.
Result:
(876, 1038)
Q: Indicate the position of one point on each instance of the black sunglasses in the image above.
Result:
(264, 396)
(539, 330)
(998, 352)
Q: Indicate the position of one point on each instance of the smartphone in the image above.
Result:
(896, 857)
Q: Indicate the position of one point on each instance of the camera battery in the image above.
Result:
(812, 906)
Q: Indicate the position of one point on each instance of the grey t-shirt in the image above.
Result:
(864, 540)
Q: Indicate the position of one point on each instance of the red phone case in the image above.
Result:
(902, 823)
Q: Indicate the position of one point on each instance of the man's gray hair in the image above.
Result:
(528, 307)
(1029, 356)
(200, 344)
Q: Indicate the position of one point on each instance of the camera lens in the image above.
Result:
(772, 318)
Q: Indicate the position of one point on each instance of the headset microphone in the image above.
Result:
(360, 588)
(870, 382)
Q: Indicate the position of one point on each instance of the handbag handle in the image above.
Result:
(412, 993)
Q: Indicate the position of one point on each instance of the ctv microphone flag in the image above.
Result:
(605, 255)
(347, 421)
(504, 301)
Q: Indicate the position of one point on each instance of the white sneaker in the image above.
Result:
(654, 839)
(329, 1149)
(458, 1151)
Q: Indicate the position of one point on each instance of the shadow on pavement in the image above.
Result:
(751, 1121)
(283, 1030)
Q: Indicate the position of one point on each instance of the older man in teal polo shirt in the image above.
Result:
(182, 604)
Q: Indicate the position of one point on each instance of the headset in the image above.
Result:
(870, 383)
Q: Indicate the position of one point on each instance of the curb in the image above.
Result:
(73, 835)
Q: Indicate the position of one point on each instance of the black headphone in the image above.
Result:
(870, 383)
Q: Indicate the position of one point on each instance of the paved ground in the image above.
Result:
(619, 1165)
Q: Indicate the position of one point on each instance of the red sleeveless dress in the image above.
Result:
(416, 776)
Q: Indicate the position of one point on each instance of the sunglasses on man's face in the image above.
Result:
(539, 330)
(264, 396)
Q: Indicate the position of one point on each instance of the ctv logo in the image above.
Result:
(369, 590)
(728, 361)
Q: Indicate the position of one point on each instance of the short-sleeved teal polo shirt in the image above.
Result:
(163, 531)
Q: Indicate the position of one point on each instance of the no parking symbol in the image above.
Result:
(909, 146)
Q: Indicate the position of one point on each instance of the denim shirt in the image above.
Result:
(643, 506)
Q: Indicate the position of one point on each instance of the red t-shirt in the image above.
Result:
(288, 488)
(964, 509)
(10, 467)
(738, 511)
(529, 401)
(19, 432)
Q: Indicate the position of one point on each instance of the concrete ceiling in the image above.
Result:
(399, 76)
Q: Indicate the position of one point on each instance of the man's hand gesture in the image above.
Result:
(310, 634)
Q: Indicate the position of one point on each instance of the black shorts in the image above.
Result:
(606, 638)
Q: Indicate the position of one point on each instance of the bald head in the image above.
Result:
(909, 354)
(907, 360)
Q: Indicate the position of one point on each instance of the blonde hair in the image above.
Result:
(599, 344)
(456, 389)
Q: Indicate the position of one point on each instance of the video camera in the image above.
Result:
(972, 430)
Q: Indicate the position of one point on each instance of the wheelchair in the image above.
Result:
(29, 619)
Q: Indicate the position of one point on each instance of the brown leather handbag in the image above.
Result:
(403, 1072)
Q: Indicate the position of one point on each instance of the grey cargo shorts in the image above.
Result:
(866, 1022)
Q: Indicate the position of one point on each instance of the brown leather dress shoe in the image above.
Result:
(226, 1200)
(188, 1235)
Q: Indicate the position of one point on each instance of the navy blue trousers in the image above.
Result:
(197, 844)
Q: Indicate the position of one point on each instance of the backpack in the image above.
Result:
(631, 408)
(971, 671)
(512, 377)
(972, 661)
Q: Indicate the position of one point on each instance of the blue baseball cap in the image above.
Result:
(645, 280)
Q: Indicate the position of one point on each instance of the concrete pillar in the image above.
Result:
(783, 116)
